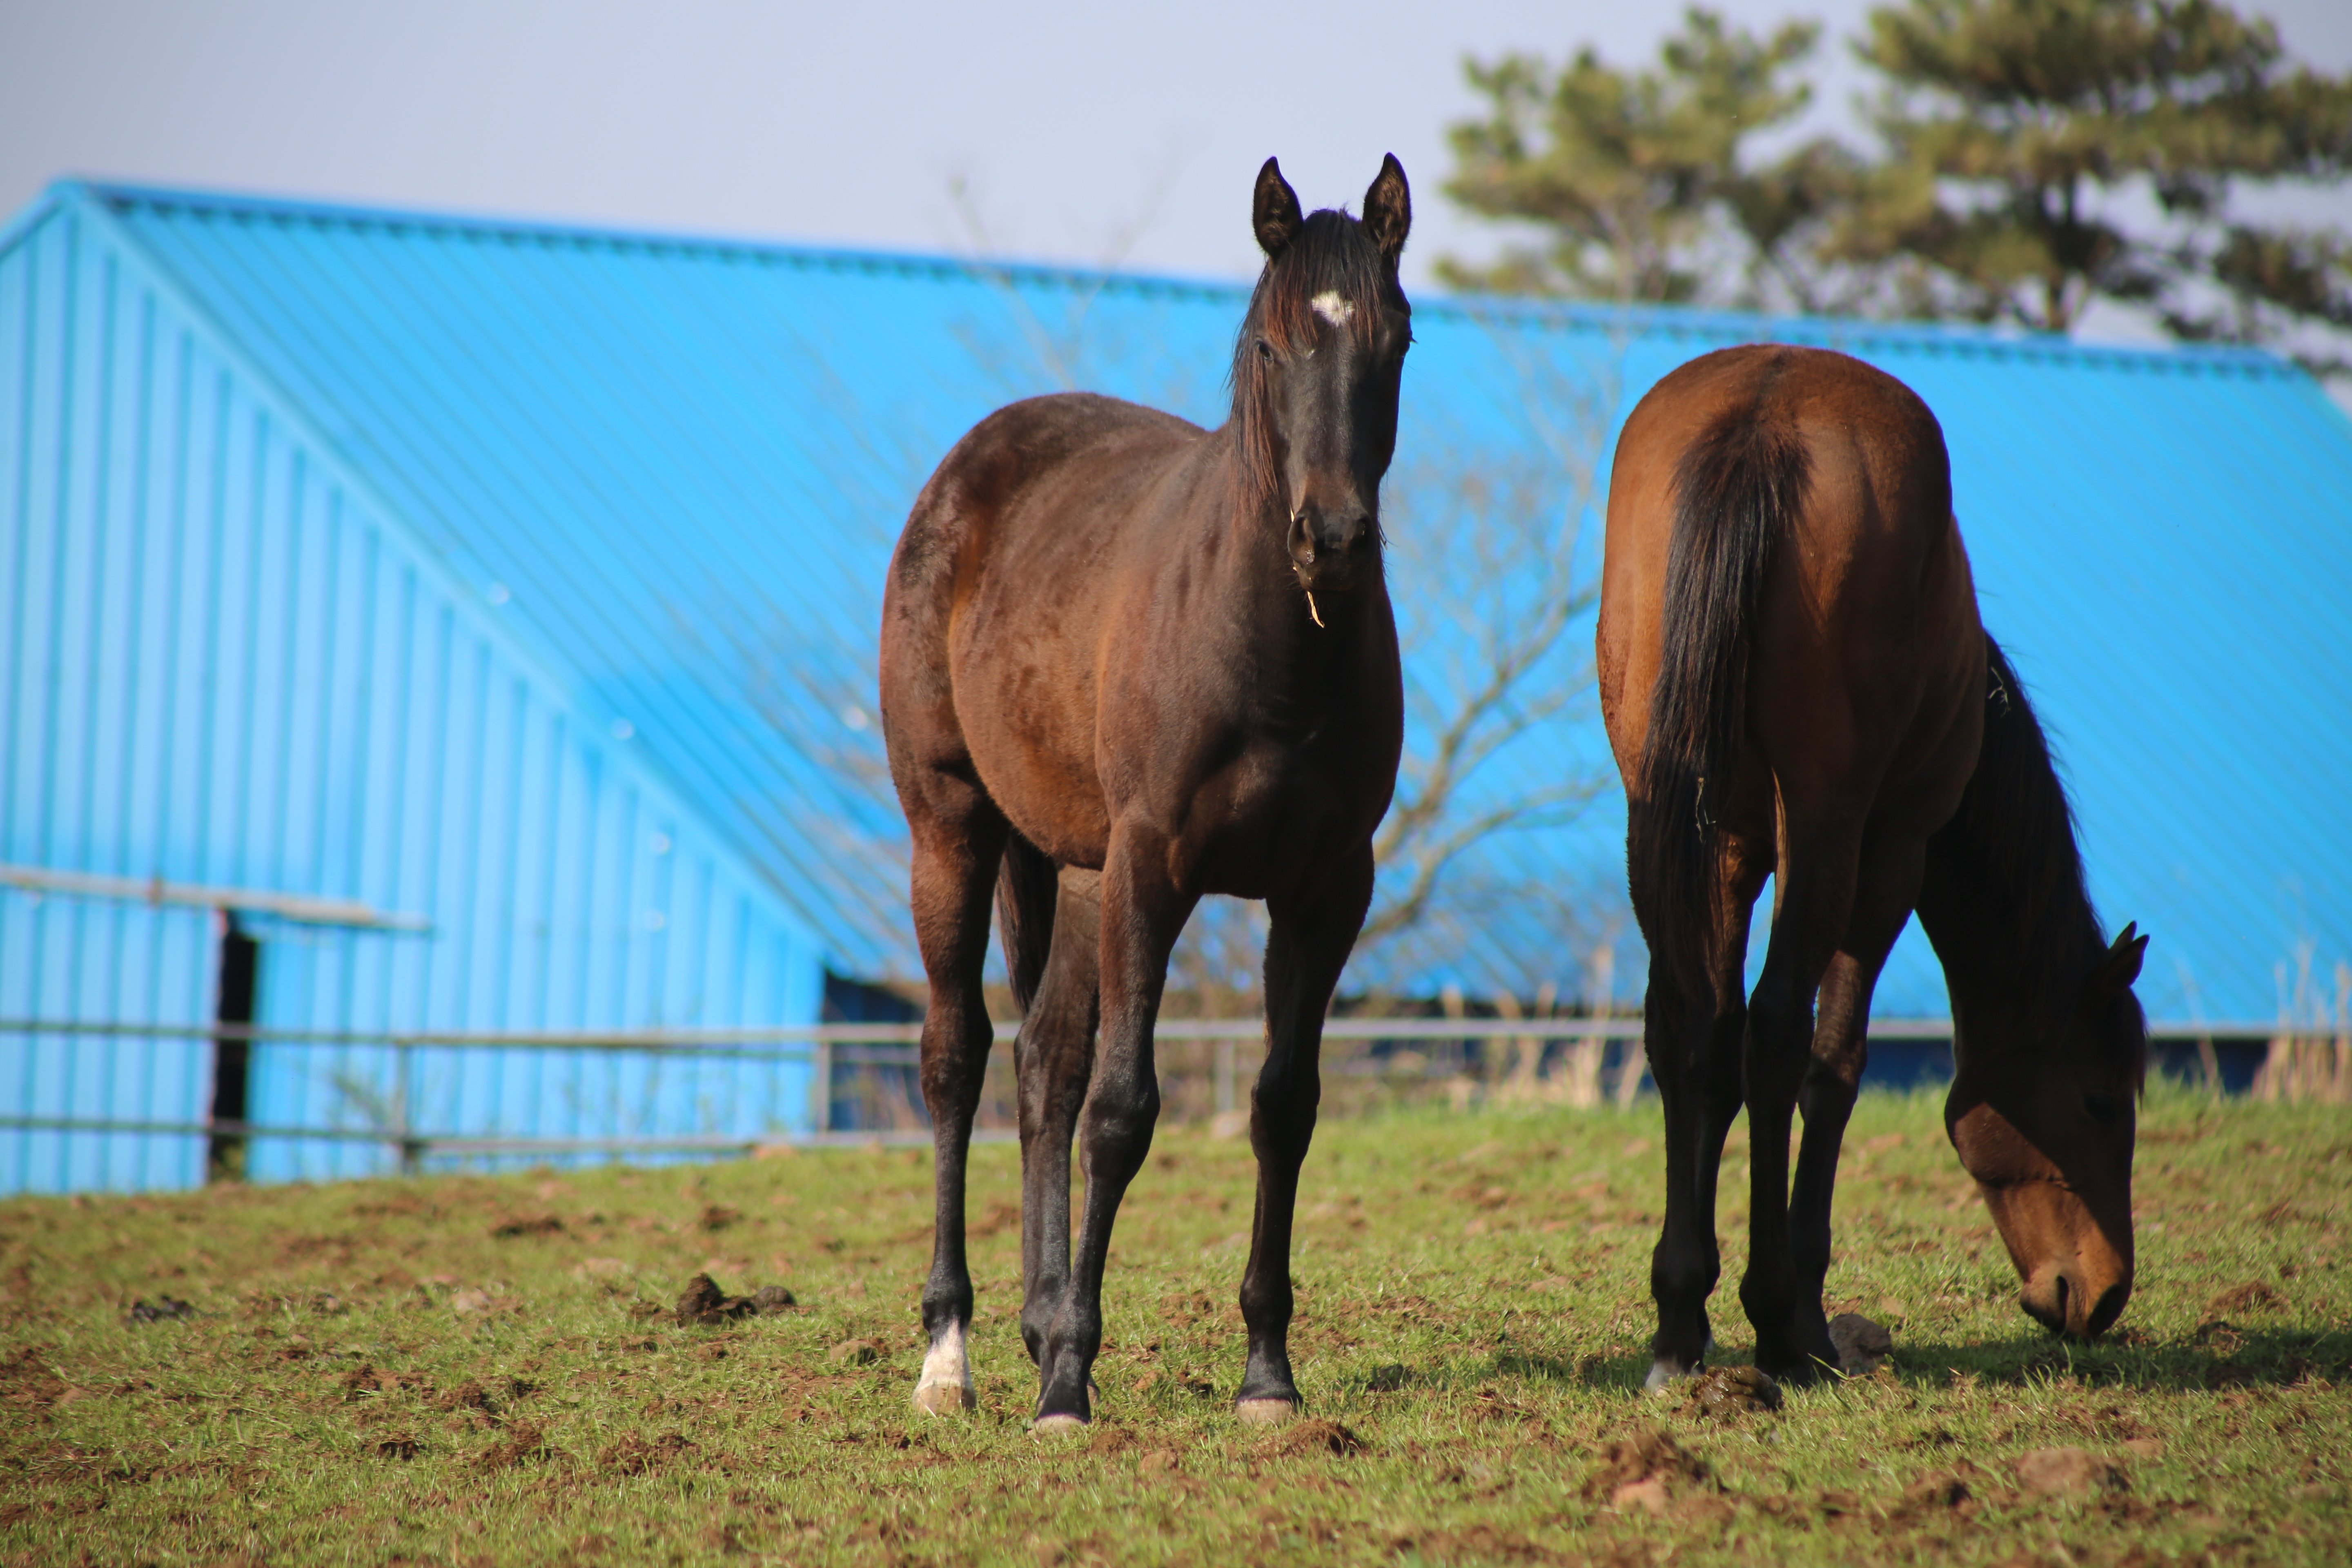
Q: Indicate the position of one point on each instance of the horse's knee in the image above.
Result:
(1683, 1272)
(1121, 1111)
(1282, 1123)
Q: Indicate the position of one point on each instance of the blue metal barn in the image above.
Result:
(364, 572)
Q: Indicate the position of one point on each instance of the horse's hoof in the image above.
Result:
(1664, 1374)
(945, 1385)
(1046, 1426)
(945, 1398)
(1265, 1412)
(1664, 1371)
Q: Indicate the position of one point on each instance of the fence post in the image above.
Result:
(404, 1098)
(821, 1088)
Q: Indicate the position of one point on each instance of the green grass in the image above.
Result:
(331, 1404)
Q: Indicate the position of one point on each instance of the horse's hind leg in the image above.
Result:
(1304, 954)
(1817, 877)
(1885, 891)
(1055, 1058)
(1693, 1049)
(959, 839)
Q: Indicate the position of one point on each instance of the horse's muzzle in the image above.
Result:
(2074, 1302)
(1325, 551)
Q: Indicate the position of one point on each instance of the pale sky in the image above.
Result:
(1087, 133)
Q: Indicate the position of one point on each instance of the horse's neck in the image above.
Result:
(2003, 903)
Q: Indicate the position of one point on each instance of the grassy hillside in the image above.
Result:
(462, 1369)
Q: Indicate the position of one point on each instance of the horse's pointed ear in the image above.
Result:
(1274, 212)
(1388, 209)
(2122, 965)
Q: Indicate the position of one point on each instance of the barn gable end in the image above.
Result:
(227, 663)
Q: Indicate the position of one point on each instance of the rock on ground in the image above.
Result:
(2069, 1472)
(1861, 1345)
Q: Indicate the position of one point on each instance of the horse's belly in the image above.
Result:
(1034, 750)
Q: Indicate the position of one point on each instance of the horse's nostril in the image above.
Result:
(2110, 1308)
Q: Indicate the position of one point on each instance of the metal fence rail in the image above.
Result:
(826, 1049)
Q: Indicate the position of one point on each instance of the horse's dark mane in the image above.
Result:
(2005, 875)
(1332, 254)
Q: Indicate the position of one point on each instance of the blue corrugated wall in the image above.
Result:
(221, 663)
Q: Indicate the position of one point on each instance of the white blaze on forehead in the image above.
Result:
(1332, 308)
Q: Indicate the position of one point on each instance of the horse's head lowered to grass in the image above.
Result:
(1316, 373)
(2051, 1045)
(2050, 1145)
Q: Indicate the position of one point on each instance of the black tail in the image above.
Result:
(1026, 885)
(1736, 491)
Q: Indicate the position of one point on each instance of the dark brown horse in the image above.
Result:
(1126, 662)
(1795, 680)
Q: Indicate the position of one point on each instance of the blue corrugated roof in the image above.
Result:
(677, 466)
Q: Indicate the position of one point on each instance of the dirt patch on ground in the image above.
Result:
(634, 1455)
(1482, 1543)
(1652, 1473)
(2244, 1300)
(527, 1224)
(1306, 1439)
(28, 1382)
(524, 1442)
(1936, 1495)
(163, 1310)
(704, 1304)
(467, 1395)
(1000, 1218)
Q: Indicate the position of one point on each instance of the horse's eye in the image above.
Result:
(1265, 349)
(2103, 1108)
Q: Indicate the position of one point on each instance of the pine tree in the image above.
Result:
(1630, 174)
(2033, 156)
(2041, 152)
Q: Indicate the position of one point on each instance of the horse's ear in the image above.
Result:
(2121, 966)
(1388, 209)
(1274, 212)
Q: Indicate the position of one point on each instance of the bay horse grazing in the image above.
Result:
(1126, 662)
(1795, 681)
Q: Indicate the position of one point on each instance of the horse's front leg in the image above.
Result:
(1304, 954)
(1142, 913)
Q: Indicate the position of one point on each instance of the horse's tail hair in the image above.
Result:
(1026, 885)
(1737, 488)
